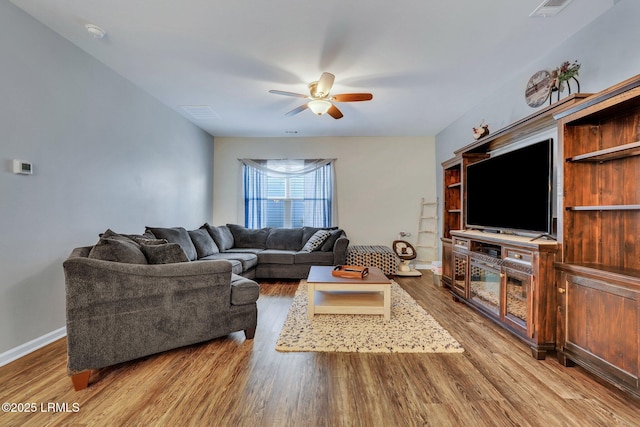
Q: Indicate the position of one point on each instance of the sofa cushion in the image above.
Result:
(244, 250)
(118, 248)
(248, 260)
(314, 258)
(239, 262)
(168, 253)
(243, 290)
(221, 235)
(248, 237)
(276, 256)
(289, 239)
(315, 242)
(327, 246)
(176, 235)
(203, 242)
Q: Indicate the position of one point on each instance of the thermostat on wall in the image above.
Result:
(22, 167)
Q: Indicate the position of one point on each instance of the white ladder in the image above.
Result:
(426, 242)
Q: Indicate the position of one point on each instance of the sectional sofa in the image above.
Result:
(268, 253)
(130, 296)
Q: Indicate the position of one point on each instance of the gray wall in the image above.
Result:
(608, 51)
(105, 154)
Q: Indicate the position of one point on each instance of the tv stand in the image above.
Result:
(509, 279)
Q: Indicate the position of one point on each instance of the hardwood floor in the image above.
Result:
(233, 382)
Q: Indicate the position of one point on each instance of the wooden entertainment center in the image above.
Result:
(509, 279)
(579, 296)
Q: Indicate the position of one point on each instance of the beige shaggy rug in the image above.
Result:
(410, 330)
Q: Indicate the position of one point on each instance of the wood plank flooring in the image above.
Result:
(233, 382)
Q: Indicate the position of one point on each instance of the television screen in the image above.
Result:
(512, 191)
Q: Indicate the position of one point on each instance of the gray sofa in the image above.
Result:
(130, 296)
(119, 311)
(274, 253)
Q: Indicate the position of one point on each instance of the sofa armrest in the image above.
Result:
(340, 250)
(91, 281)
(118, 312)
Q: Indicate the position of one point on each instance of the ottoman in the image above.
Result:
(373, 256)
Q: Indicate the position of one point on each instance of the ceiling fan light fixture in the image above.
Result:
(319, 106)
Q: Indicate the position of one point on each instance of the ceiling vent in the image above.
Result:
(550, 8)
(200, 112)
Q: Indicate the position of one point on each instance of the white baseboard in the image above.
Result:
(31, 346)
(422, 266)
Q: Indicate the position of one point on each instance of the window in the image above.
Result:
(288, 193)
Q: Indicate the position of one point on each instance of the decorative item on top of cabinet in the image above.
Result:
(564, 74)
(480, 131)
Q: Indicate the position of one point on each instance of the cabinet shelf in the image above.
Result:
(455, 185)
(629, 276)
(454, 210)
(599, 276)
(619, 152)
(604, 208)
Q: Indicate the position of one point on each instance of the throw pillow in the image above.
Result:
(331, 241)
(148, 240)
(168, 253)
(203, 242)
(287, 239)
(315, 242)
(244, 237)
(177, 235)
(221, 235)
(307, 232)
(117, 248)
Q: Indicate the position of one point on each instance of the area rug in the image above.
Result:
(410, 330)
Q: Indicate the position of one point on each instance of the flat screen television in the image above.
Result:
(512, 192)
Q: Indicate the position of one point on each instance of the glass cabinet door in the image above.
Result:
(459, 283)
(516, 297)
(484, 286)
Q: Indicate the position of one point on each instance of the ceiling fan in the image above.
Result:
(320, 101)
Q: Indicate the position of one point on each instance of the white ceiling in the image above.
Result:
(426, 62)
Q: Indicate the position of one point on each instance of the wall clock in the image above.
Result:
(538, 89)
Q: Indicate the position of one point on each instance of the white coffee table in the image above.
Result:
(328, 294)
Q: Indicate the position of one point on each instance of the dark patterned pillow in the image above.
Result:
(169, 253)
(315, 242)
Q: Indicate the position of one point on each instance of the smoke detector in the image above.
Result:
(550, 8)
(95, 31)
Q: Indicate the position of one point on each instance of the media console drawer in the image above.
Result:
(464, 243)
(518, 255)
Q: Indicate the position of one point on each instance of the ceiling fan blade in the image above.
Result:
(281, 92)
(324, 85)
(352, 97)
(334, 112)
(297, 110)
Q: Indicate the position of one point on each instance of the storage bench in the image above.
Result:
(379, 256)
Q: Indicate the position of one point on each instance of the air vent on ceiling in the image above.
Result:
(550, 7)
(200, 112)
